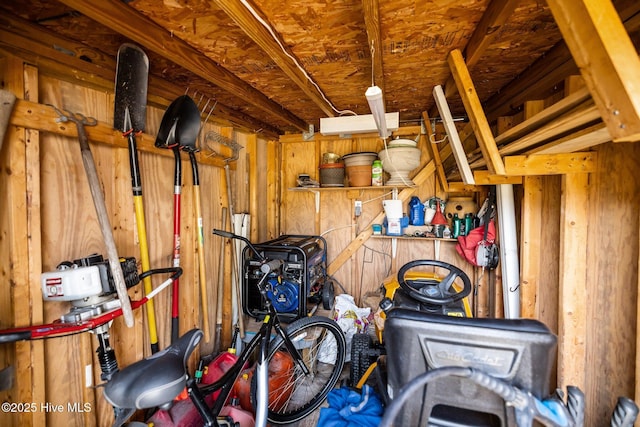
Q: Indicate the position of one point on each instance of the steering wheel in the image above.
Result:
(431, 291)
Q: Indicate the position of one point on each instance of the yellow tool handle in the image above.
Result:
(144, 261)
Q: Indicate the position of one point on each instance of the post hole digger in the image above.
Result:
(129, 116)
(101, 208)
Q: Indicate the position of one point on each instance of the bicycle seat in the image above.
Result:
(155, 380)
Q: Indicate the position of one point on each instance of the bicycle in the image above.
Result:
(316, 345)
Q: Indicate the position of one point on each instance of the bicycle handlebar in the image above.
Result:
(223, 233)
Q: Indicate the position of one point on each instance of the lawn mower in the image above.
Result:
(414, 288)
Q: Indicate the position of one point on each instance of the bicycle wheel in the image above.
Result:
(322, 345)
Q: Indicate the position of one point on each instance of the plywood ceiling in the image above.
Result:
(279, 66)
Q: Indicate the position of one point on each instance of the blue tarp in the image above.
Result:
(352, 408)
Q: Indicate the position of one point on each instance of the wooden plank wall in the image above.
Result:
(599, 286)
(335, 220)
(47, 216)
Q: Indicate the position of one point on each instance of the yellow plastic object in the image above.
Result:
(391, 285)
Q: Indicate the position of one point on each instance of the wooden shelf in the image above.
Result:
(438, 239)
(377, 187)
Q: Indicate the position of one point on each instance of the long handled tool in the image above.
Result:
(189, 145)
(181, 121)
(177, 194)
(201, 266)
(129, 116)
(220, 288)
(101, 210)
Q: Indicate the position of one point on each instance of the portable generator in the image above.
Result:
(301, 280)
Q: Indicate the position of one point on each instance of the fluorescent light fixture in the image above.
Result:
(376, 104)
(365, 123)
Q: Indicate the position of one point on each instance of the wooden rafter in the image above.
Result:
(274, 47)
(476, 114)
(543, 117)
(607, 60)
(494, 17)
(581, 140)
(35, 44)
(579, 117)
(371, 11)
(546, 72)
(125, 20)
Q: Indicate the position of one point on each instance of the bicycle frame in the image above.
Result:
(225, 383)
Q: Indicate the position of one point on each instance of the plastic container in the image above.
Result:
(456, 222)
(358, 168)
(416, 211)
(332, 175)
(359, 176)
(241, 417)
(376, 173)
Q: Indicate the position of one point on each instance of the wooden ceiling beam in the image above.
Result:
(607, 60)
(371, 13)
(35, 44)
(272, 45)
(125, 20)
(551, 164)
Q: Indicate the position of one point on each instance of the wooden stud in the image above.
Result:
(572, 333)
(531, 232)
(434, 151)
(607, 60)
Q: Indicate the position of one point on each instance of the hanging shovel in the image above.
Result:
(181, 122)
(129, 116)
(189, 145)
